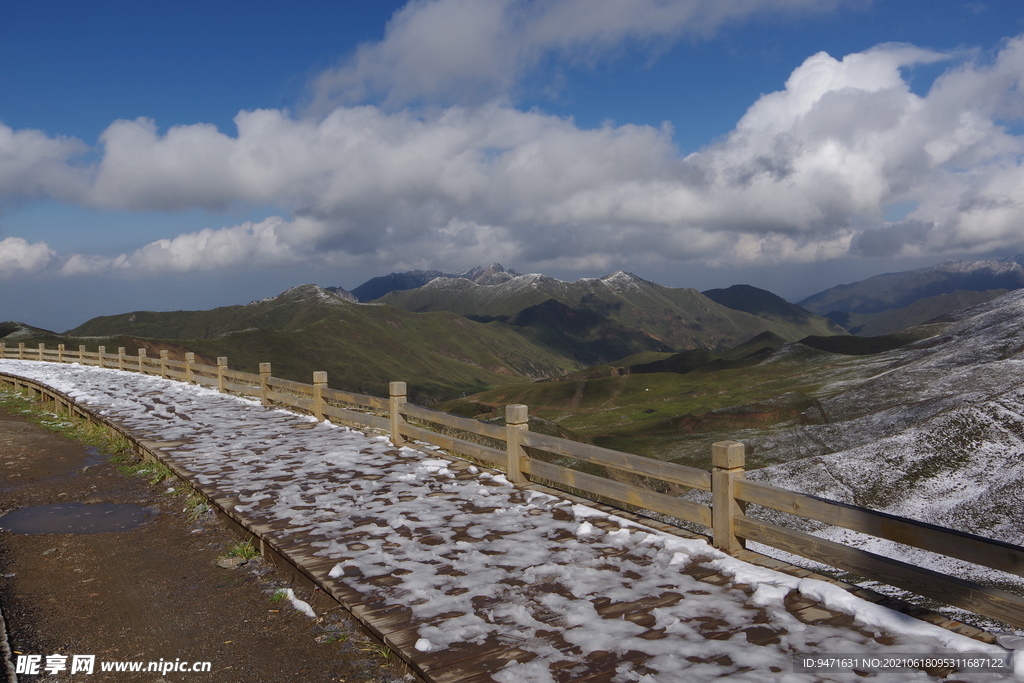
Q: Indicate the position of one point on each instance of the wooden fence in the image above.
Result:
(530, 456)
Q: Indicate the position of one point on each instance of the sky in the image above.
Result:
(164, 156)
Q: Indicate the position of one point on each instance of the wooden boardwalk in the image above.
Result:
(468, 578)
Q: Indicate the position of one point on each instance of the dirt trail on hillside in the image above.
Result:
(154, 591)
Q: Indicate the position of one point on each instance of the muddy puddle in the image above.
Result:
(75, 518)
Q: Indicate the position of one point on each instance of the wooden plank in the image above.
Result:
(375, 421)
(171, 363)
(643, 498)
(291, 400)
(989, 602)
(355, 399)
(204, 380)
(627, 462)
(243, 389)
(448, 420)
(990, 553)
(288, 385)
(489, 455)
(239, 376)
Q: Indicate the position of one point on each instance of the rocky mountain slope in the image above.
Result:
(674, 319)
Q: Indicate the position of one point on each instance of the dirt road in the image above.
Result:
(155, 591)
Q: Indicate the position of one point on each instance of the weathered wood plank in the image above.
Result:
(990, 553)
(627, 462)
(375, 421)
(243, 377)
(648, 500)
(290, 400)
(989, 602)
(489, 455)
(288, 385)
(243, 389)
(351, 398)
(448, 420)
(204, 380)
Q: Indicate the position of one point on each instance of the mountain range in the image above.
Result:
(889, 302)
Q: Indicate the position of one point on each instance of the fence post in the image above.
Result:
(142, 361)
(319, 382)
(222, 364)
(517, 421)
(81, 354)
(60, 353)
(21, 350)
(265, 383)
(190, 360)
(42, 347)
(120, 358)
(398, 399)
(3, 350)
(100, 352)
(727, 460)
(163, 363)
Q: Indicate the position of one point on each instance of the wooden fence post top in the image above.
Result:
(397, 388)
(222, 361)
(517, 414)
(264, 368)
(60, 347)
(320, 377)
(81, 347)
(42, 346)
(189, 357)
(142, 352)
(728, 455)
(121, 349)
(164, 353)
(21, 345)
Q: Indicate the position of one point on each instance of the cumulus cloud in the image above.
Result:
(274, 241)
(807, 174)
(18, 257)
(34, 165)
(468, 51)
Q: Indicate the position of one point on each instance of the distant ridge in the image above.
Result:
(671, 319)
(377, 287)
(899, 290)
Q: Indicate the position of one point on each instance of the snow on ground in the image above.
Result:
(936, 434)
(477, 560)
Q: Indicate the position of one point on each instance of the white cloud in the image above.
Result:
(468, 51)
(271, 242)
(807, 174)
(33, 165)
(18, 257)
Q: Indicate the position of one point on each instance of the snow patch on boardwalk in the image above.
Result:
(479, 561)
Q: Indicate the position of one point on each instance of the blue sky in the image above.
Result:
(195, 155)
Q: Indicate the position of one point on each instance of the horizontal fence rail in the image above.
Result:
(528, 456)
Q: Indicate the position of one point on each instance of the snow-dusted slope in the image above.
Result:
(934, 432)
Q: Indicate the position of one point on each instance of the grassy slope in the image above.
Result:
(440, 355)
(921, 311)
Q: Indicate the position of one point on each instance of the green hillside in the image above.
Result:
(362, 347)
(921, 311)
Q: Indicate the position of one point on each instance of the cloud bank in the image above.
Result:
(454, 51)
(807, 174)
